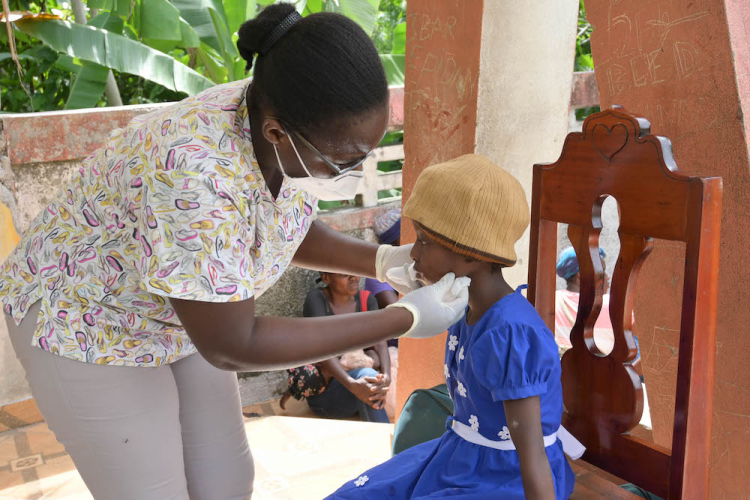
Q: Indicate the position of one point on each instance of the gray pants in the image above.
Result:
(173, 432)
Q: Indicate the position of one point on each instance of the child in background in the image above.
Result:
(501, 361)
(388, 230)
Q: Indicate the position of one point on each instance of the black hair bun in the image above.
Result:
(253, 33)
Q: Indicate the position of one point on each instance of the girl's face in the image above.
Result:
(342, 284)
(432, 261)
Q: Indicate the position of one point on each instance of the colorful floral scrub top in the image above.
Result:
(173, 205)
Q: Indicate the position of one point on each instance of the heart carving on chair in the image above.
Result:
(609, 140)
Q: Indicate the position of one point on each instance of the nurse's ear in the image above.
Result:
(273, 131)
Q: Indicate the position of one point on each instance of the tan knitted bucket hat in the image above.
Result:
(472, 207)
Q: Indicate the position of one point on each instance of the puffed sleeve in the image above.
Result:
(514, 361)
(195, 239)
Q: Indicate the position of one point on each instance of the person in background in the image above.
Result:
(388, 230)
(355, 383)
(566, 305)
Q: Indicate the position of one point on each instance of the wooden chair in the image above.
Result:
(614, 155)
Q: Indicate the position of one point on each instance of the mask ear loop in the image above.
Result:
(278, 160)
(298, 156)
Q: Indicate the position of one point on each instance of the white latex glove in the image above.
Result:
(389, 257)
(403, 279)
(436, 307)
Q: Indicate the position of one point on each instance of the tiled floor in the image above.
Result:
(295, 458)
(33, 465)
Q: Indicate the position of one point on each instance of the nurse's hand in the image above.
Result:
(403, 279)
(389, 258)
(436, 307)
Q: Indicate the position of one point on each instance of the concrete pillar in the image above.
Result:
(487, 77)
(525, 79)
(684, 66)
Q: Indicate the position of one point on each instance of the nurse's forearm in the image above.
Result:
(325, 249)
(230, 337)
(277, 343)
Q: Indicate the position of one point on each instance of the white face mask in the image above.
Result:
(341, 187)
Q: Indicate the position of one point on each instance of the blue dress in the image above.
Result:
(508, 354)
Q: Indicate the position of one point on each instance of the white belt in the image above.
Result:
(571, 446)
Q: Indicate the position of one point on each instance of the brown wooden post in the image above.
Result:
(443, 41)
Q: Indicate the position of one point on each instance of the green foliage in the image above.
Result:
(583, 61)
(115, 51)
(198, 36)
(47, 84)
(159, 50)
(391, 14)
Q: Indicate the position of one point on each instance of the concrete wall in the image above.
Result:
(13, 386)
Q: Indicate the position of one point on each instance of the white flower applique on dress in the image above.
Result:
(446, 371)
(461, 354)
(453, 343)
(504, 434)
(461, 389)
(474, 423)
(361, 481)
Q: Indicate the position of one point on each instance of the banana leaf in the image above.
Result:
(239, 11)
(395, 68)
(197, 13)
(88, 86)
(399, 39)
(7, 55)
(160, 20)
(116, 52)
(212, 61)
(363, 12)
(91, 78)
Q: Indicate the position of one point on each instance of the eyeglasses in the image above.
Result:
(336, 168)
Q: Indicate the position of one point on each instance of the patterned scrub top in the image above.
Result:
(173, 205)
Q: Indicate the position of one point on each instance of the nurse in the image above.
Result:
(130, 300)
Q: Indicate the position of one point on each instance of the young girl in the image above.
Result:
(501, 361)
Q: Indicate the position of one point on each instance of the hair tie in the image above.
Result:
(280, 31)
